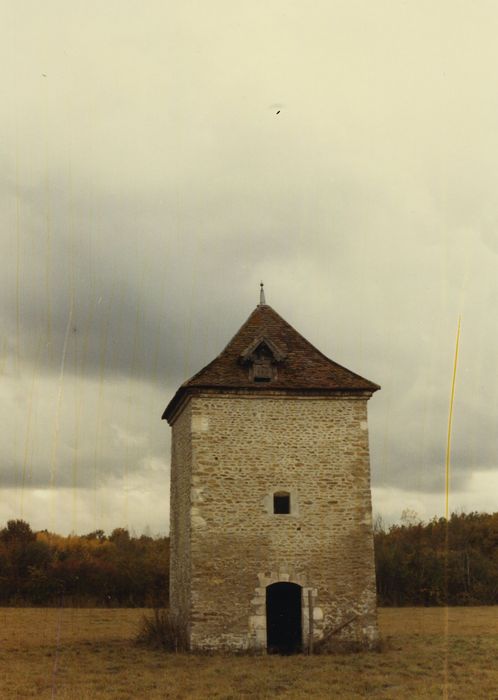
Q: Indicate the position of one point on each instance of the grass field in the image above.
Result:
(89, 653)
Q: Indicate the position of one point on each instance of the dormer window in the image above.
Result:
(262, 369)
(262, 357)
(281, 503)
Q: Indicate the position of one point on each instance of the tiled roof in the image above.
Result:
(302, 366)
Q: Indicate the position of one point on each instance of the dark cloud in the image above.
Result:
(147, 190)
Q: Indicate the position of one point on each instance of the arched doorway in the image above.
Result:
(283, 618)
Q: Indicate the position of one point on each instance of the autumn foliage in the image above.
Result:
(435, 563)
(43, 568)
(440, 562)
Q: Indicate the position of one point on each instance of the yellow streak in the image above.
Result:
(450, 421)
(55, 439)
(77, 400)
(28, 426)
(3, 356)
(157, 344)
(98, 423)
(447, 510)
(18, 260)
(48, 237)
(135, 354)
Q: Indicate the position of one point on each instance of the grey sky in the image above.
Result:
(148, 184)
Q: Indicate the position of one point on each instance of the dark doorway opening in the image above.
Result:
(283, 618)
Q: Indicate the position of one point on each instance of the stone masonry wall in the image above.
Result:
(243, 448)
(180, 566)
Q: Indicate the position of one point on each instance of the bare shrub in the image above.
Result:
(162, 631)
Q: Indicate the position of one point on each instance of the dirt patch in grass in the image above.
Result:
(86, 654)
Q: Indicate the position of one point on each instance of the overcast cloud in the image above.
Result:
(160, 158)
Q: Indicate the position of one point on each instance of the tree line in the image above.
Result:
(435, 563)
(43, 568)
(452, 562)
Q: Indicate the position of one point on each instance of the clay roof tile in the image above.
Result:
(299, 365)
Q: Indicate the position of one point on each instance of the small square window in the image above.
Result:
(281, 503)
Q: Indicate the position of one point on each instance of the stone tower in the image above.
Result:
(271, 527)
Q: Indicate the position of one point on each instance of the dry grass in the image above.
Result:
(85, 654)
(161, 630)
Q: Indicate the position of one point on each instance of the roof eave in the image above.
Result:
(175, 406)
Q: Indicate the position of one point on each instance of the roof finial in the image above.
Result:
(261, 295)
